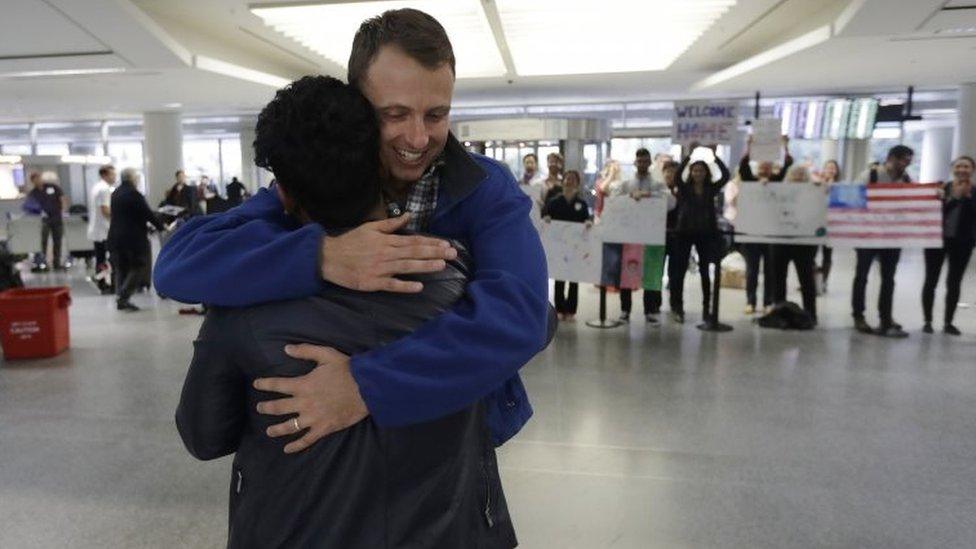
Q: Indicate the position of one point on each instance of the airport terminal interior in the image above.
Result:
(738, 403)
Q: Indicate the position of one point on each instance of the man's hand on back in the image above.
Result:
(325, 400)
(369, 257)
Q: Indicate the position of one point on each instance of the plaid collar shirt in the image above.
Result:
(422, 199)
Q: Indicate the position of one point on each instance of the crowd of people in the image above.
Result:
(119, 219)
(703, 204)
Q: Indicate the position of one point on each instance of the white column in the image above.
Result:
(856, 158)
(966, 124)
(248, 170)
(936, 153)
(573, 155)
(829, 150)
(163, 152)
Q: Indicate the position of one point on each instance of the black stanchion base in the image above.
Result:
(713, 326)
(603, 324)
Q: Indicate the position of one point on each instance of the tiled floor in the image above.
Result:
(643, 436)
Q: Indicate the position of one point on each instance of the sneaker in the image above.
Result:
(127, 306)
(951, 330)
(892, 331)
(678, 317)
(750, 310)
(651, 319)
(927, 328)
(862, 325)
(624, 317)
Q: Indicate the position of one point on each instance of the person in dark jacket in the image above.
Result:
(894, 170)
(959, 238)
(128, 238)
(248, 256)
(696, 225)
(182, 195)
(51, 203)
(236, 193)
(568, 206)
(430, 484)
(759, 254)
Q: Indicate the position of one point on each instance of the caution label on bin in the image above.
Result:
(24, 329)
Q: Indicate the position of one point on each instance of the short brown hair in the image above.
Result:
(419, 35)
(105, 169)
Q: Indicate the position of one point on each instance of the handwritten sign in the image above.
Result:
(781, 213)
(706, 122)
(573, 252)
(767, 143)
(625, 220)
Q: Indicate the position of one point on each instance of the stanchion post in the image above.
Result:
(711, 323)
(603, 323)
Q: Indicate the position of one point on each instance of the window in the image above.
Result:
(56, 149)
(16, 148)
(201, 157)
(230, 160)
(624, 149)
(126, 154)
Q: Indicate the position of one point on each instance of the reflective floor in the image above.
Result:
(643, 436)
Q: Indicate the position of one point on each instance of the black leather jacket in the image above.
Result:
(433, 484)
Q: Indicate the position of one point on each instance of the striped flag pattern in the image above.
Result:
(885, 215)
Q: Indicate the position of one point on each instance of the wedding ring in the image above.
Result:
(298, 427)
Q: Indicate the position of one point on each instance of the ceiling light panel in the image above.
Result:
(549, 37)
(328, 29)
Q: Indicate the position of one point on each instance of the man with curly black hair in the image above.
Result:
(403, 63)
(369, 486)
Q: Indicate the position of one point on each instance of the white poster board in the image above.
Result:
(573, 252)
(706, 122)
(767, 145)
(629, 221)
(781, 213)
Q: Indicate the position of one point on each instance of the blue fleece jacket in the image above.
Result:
(255, 253)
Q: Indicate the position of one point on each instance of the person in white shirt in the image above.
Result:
(641, 186)
(99, 218)
(532, 181)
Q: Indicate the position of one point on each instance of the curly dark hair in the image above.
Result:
(320, 138)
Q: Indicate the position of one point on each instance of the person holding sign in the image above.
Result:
(893, 171)
(696, 225)
(828, 176)
(959, 233)
(641, 186)
(568, 206)
(803, 257)
(758, 254)
(531, 181)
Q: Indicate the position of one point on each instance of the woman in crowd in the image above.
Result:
(568, 206)
(959, 237)
(803, 257)
(609, 178)
(828, 176)
(696, 225)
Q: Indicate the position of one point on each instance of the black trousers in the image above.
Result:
(826, 261)
(101, 253)
(754, 254)
(804, 261)
(678, 265)
(888, 260)
(131, 269)
(54, 232)
(566, 302)
(958, 253)
(652, 301)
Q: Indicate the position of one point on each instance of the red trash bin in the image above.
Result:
(34, 322)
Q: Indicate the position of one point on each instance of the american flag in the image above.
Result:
(885, 215)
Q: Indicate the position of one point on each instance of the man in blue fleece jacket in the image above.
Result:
(403, 63)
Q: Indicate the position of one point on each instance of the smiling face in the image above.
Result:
(962, 170)
(699, 172)
(413, 105)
